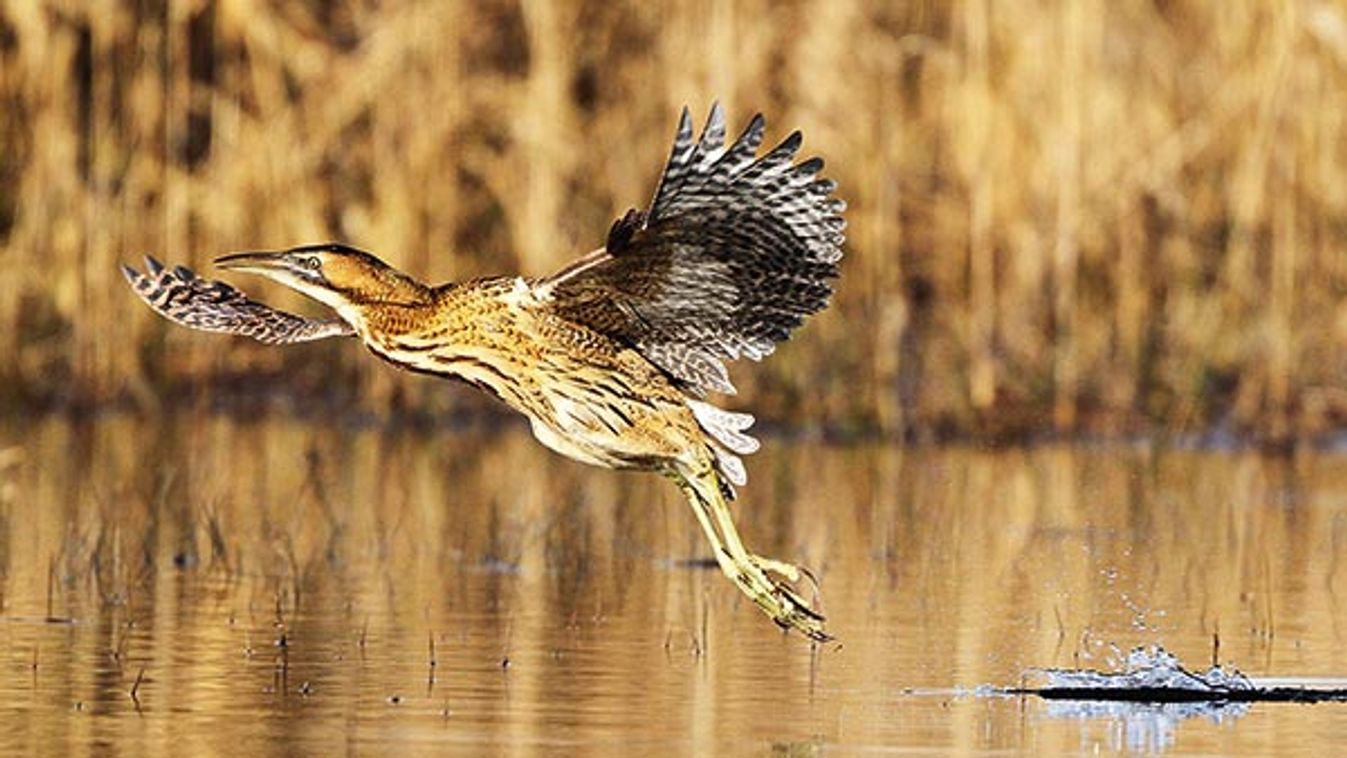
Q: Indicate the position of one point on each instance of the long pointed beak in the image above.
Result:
(259, 261)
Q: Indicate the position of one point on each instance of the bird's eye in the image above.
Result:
(312, 263)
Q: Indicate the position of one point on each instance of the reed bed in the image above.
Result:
(1097, 217)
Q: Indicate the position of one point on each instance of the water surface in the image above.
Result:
(282, 588)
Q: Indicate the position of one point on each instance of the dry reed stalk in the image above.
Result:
(1091, 215)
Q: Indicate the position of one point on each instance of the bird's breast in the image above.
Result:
(585, 396)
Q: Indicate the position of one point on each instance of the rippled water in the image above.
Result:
(281, 588)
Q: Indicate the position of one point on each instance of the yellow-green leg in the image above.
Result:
(745, 569)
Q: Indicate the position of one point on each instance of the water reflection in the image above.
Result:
(1142, 727)
(283, 587)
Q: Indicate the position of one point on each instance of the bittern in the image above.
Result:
(611, 357)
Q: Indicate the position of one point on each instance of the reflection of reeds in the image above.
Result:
(975, 528)
(1097, 215)
(950, 566)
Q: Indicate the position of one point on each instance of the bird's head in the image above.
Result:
(336, 275)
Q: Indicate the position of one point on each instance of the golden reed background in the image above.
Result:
(1093, 216)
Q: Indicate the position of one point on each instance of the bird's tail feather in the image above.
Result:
(726, 428)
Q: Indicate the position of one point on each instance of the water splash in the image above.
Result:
(1152, 694)
(1143, 702)
(1148, 669)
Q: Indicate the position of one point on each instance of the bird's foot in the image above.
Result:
(779, 599)
(789, 571)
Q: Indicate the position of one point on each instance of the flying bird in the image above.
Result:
(610, 358)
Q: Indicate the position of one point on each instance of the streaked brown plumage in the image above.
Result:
(609, 357)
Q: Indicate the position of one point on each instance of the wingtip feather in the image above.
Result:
(809, 167)
(713, 134)
(716, 115)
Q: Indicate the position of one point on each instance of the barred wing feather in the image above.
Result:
(734, 252)
(182, 297)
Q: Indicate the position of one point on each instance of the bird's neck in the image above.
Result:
(389, 291)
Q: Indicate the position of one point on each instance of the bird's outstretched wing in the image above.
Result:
(733, 253)
(182, 297)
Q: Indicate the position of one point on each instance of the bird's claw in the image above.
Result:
(785, 605)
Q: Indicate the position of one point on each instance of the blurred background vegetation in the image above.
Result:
(1100, 217)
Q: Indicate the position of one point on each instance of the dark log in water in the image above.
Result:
(1186, 695)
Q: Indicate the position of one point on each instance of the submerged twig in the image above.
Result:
(135, 688)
